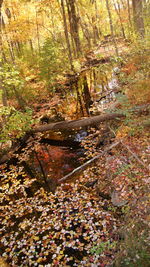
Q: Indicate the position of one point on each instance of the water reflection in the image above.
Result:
(91, 92)
(97, 84)
(53, 161)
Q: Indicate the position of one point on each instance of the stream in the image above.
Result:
(57, 156)
(42, 226)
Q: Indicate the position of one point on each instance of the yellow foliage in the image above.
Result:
(123, 132)
(139, 93)
(19, 29)
(3, 263)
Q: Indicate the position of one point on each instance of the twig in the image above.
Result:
(134, 155)
(83, 167)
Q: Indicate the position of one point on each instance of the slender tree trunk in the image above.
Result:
(37, 29)
(19, 98)
(42, 169)
(74, 25)
(66, 35)
(86, 95)
(123, 4)
(111, 27)
(2, 87)
(71, 30)
(84, 28)
(12, 56)
(16, 44)
(119, 16)
(129, 13)
(138, 17)
(97, 19)
(8, 39)
(52, 17)
(86, 33)
(96, 31)
(79, 100)
(31, 46)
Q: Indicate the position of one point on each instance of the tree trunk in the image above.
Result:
(2, 88)
(66, 35)
(97, 19)
(138, 17)
(74, 25)
(111, 27)
(129, 13)
(119, 16)
(19, 98)
(84, 28)
(95, 31)
(79, 100)
(86, 95)
(12, 55)
(37, 29)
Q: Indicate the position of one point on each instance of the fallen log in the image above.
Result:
(76, 124)
(59, 126)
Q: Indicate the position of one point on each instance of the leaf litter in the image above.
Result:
(73, 226)
(58, 229)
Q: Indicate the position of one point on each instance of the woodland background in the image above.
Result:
(57, 58)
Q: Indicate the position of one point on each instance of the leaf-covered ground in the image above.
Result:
(67, 228)
(74, 226)
(80, 225)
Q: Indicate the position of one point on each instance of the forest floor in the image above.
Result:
(100, 218)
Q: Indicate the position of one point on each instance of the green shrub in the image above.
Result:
(14, 123)
(52, 62)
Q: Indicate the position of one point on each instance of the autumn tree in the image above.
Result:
(2, 87)
(118, 11)
(138, 17)
(74, 25)
(66, 34)
(111, 25)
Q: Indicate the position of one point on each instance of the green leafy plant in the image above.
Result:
(11, 78)
(52, 62)
(102, 247)
(15, 123)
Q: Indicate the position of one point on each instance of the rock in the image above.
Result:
(117, 200)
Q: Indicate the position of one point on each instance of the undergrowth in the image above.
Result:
(133, 249)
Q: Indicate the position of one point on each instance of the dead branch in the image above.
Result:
(134, 155)
(83, 167)
(131, 152)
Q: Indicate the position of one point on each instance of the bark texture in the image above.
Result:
(76, 124)
(74, 25)
(4, 95)
(138, 17)
(66, 34)
(111, 26)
